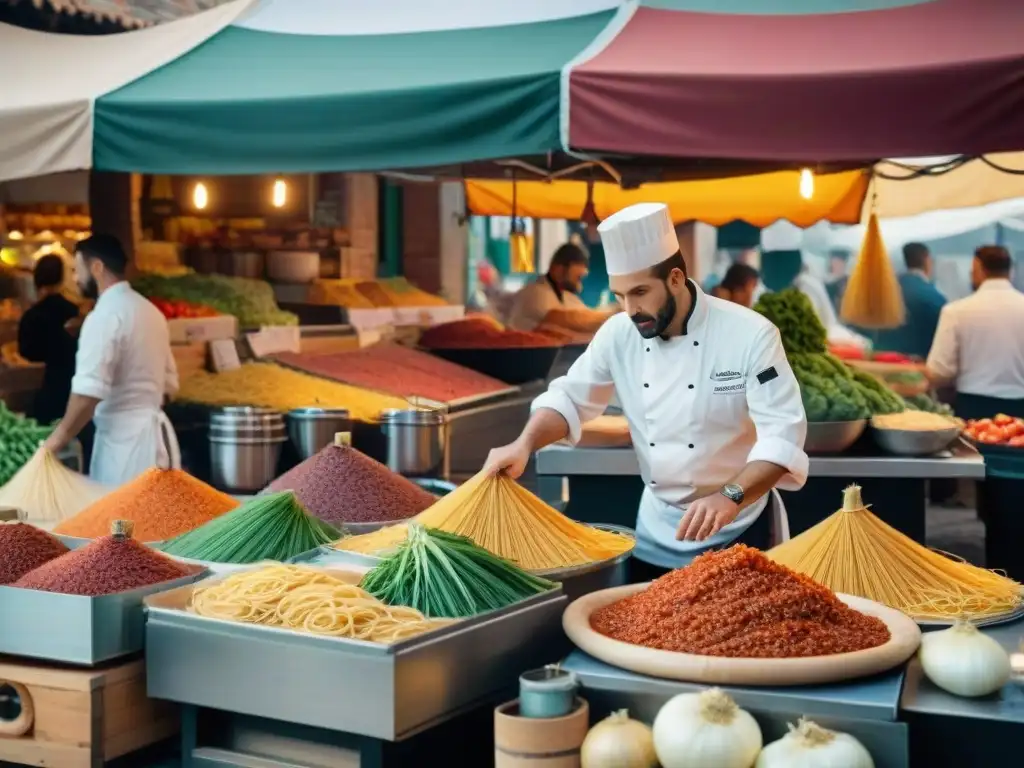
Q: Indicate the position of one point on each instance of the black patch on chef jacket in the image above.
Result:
(768, 374)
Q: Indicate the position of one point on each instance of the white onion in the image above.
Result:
(705, 730)
(964, 661)
(618, 742)
(808, 745)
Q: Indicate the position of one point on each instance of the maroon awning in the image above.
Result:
(938, 77)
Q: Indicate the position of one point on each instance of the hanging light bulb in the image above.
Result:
(200, 196)
(806, 183)
(280, 193)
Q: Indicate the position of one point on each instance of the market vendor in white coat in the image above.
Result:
(712, 404)
(123, 370)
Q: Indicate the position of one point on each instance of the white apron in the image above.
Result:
(130, 442)
(657, 523)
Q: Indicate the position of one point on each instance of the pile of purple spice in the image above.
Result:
(24, 548)
(107, 565)
(341, 485)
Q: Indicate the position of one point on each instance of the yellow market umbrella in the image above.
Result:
(761, 199)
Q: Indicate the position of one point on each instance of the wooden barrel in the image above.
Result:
(523, 742)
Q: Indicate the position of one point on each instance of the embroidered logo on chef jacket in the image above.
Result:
(726, 376)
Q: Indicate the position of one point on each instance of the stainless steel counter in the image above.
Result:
(866, 708)
(962, 462)
(920, 695)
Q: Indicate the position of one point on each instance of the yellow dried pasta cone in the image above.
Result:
(873, 297)
(501, 516)
(856, 553)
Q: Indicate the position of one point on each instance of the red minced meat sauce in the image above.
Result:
(24, 548)
(738, 603)
(106, 566)
(341, 485)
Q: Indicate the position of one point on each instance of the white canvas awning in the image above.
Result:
(51, 82)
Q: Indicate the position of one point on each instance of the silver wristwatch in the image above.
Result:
(733, 493)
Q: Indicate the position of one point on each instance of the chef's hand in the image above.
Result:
(510, 459)
(55, 443)
(706, 517)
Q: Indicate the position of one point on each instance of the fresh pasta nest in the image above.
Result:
(309, 600)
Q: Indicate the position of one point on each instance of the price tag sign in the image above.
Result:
(271, 340)
(224, 355)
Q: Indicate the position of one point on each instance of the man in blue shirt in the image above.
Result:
(923, 303)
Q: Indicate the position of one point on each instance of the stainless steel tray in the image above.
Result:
(381, 691)
(75, 629)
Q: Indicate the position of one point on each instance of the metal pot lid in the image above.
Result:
(412, 417)
(245, 411)
(218, 440)
(314, 414)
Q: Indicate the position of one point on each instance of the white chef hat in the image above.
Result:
(637, 238)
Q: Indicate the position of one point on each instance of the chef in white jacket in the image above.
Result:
(123, 371)
(713, 407)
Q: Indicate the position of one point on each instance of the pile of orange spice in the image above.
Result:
(738, 603)
(162, 503)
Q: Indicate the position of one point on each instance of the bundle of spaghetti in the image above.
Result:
(855, 553)
(501, 516)
(48, 492)
(271, 386)
(306, 600)
(271, 527)
(873, 297)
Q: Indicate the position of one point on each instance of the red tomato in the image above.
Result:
(990, 437)
(1013, 429)
(983, 423)
(1002, 419)
(1016, 442)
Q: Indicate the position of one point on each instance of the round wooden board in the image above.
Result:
(719, 670)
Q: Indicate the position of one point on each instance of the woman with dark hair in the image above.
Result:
(43, 337)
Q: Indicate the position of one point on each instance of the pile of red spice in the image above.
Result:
(23, 548)
(397, 371)
(105, 566)
(479, 333)
(341, 485)
(162, 503)
(738, 603)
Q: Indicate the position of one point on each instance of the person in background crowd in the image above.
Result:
(44, 337)
(738, 285)
(713, 406)
(923, 302)
(979, 342)
(123, 371)
(554, 298)
(838, 264)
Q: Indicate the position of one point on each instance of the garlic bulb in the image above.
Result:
(618, 742)
(964, 661)
(705, 730)
(808, 745)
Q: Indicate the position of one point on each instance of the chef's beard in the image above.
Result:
(90, 290)
(661, 321)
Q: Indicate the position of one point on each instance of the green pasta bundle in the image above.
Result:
(270, 527)
(444, 575)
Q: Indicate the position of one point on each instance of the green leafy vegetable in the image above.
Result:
(793, 314)
(444, 575)
(270, 527)
(20, 438)
(251, 301)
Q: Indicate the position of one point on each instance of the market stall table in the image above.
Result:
(866, 709)
(605, 485)
(950, 730)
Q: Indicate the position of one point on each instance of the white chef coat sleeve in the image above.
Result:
(773, 400)
(96, 360)
(944, 356)
(171, 382)
(586, 389)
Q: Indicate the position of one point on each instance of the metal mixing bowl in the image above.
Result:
(832, 436)
(914, 442)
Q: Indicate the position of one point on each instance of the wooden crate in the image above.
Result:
(82, 718)
(189, 358)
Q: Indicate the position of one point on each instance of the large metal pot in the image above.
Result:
(243, 264)
(245, 447)
(417, 442)
(912, 442)
(312, 429)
